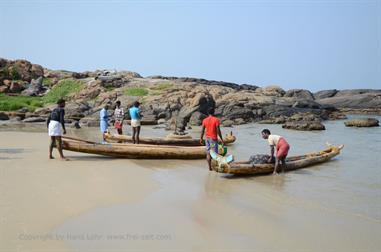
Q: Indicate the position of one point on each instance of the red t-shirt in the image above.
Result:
(210, 123)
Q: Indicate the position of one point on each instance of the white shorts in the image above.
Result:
(135, 123)
(55, 128)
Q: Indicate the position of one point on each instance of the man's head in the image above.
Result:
(61, 103)
(107, 106)
(210, 111)
(266, 133)
(117, 104)
(136, 104)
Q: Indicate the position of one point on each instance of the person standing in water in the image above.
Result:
(282, 148)
(211, 128)
(104, 120)
(56, 127)
(135, 121)
(119, 117)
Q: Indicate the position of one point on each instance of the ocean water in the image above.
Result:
(335, 206)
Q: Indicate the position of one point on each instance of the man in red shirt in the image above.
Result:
(211, 125)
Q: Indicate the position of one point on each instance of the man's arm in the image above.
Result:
(48, 121)
(271, 153)
(202, 135)
(219, 134)
(62, 119)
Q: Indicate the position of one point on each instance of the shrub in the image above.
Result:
(163, 86)
(136, 91)
(11, 103)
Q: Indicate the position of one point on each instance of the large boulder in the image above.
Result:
(300, 94)
(354, 101)
(16, 87)
(271, 91)
(365, 122)
(304, 125)
(35, 88)
(3, 116)
(325, 93)
(196, 118)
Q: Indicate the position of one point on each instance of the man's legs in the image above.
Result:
(59, 147)
(137, 135)
(51, 145)
(133, 134)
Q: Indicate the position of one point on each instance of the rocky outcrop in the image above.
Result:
(3, 116)
(300, 94)
(304, 125)
(185, 100)
(366, 122)
(354, 99)
(325, 93)
(271, 91)
(35, 88)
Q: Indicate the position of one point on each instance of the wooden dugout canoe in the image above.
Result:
(136, 151)
(228, 139)
(292, 163)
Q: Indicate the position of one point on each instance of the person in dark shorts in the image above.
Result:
(211, 128)
(56, 127)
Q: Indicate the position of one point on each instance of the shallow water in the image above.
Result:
(104, 204)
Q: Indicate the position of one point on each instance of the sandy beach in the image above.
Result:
(93, 203)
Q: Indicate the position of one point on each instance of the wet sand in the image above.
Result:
(93, 203)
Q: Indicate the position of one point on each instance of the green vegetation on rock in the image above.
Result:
(11, 103)
(63, 89)
(48, 82)
(136, 91)
(163, 86)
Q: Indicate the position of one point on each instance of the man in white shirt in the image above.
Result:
(282, 148)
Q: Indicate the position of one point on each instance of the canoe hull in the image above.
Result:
(293, 163)
(162, 141)
(134, 151)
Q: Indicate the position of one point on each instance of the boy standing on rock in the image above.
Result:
(211, 126)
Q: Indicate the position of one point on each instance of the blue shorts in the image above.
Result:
(211, 144)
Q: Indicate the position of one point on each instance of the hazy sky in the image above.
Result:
(295, 44)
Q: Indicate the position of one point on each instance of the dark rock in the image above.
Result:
(306, 104)
(34, 119)
(3, 116)
(16, 87)
(304, 125)
(35, 88)
(76, 75)
(366, 122)
(351, 92)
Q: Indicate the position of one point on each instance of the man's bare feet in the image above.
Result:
(64, 159)
(51, 157)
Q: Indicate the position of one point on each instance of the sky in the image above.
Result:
(310, 44)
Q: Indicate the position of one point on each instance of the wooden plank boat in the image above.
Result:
(228, 139)
(138, 151)
(292, 163)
